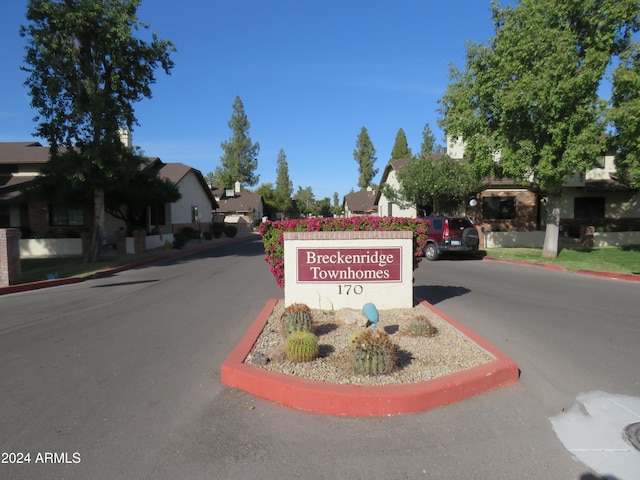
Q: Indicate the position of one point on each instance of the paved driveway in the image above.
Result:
(119, 378)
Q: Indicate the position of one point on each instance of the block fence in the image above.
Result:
(9, 256)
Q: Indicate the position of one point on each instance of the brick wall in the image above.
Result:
(9, 256)
(526, 211)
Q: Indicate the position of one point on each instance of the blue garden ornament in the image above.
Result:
(371, 312)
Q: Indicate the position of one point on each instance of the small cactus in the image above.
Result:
(297, 318)
(301, 347)
(422, 327)
(375, 353)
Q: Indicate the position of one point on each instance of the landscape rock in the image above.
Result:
(351, 316)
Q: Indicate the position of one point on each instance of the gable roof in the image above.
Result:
(241, 202)
(362, 201)
(175, 172)
(23, 152)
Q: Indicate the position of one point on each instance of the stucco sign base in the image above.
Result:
(334, 270)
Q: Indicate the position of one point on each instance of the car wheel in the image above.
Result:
(470, 237)
(431, 252)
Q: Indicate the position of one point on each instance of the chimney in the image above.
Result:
(125, 137)
(237, 187)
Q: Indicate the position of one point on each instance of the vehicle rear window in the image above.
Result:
(459, 223)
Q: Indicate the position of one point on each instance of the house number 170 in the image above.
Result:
(349, 289)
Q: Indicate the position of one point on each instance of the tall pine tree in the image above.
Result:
(428, 142)
(240, 158)
(284, 185)
(365, 156)
(400, 147)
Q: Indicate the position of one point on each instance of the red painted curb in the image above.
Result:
(359, 401)
(525, 263)
(23, 287)
(616, 276)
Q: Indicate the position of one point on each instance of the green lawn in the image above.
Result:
(36, 269)
(608, 259)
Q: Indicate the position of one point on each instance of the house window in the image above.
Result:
(588, 207)
(499, 208)
(66, 216)
(5, 216)
(194, 214)
(157, 214)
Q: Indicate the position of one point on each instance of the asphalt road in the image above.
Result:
(119, 378)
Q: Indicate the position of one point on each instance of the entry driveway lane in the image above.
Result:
(125, 371)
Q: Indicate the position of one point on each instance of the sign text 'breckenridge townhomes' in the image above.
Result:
(332, 270)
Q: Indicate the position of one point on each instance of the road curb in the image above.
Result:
(361, 401)
(594, 273)
(615, 276)
(525, 263)
(24, 287)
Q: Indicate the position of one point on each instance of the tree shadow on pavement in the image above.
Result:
(437, 293)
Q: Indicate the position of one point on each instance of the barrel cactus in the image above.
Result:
(297, 318)
(301, 347)
(375, 353)
(421, 326)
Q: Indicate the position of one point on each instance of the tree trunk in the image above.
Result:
(552, 232)
(98, 225)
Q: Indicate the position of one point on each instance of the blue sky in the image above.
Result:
(311, 74)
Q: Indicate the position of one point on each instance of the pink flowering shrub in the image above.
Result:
(274, 240)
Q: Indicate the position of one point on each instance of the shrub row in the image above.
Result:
(273, 239)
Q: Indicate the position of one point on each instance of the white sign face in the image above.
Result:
(331, 273)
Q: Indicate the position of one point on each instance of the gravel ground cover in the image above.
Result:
(420, 358)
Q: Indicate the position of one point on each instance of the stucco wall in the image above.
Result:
(192, 195)
(395, 210)
(617, 205)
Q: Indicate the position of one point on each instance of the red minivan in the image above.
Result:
(450, 234)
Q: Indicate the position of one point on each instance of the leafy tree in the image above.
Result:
(210, 179)
(624, 116)
(240, 158)
(365, 156)
(433, 185)
(428, 145)
(268, 193)
(86, 69)
(304, 200)
(284, 185)
(531, 93)
(400, 147)
(142, 189)
(322, 208)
